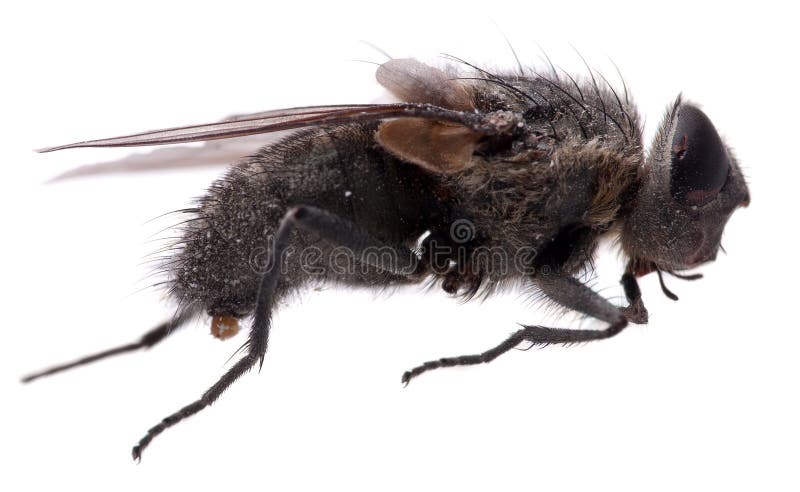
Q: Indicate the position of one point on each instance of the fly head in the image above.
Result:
(690, 186)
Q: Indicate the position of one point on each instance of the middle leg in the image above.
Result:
(332, 228)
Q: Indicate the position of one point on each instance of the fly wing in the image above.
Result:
(210, 154)
(413, 81)
(288, 119)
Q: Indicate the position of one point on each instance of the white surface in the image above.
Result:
(702, 398)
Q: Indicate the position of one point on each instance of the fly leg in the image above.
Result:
(147, 340)
(635, 311)
(338, 231)
(563, 289)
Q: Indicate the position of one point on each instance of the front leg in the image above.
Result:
(635, 311)
(566, 291)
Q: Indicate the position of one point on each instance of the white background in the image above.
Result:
(704, 397)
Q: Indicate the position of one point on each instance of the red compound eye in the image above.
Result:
(700, 162)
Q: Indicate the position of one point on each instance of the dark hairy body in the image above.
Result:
(342, 171)
(339, 170)
(475, 182)
(555, 201)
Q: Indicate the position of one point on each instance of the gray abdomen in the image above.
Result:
(226, 243)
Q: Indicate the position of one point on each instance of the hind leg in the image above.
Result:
(147, 340)
(338, 231)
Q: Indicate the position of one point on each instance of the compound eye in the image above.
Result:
(700, 163)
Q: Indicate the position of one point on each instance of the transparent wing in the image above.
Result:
(217, 153)
(292, 118)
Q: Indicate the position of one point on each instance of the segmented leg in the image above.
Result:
(635, 311)
(537, 335)
(147, 340)
(566, 291)
(329, 226)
